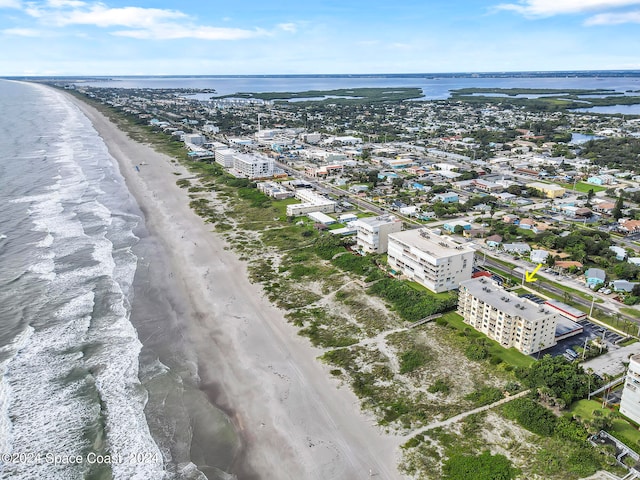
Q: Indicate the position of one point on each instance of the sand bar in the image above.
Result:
(294, 420)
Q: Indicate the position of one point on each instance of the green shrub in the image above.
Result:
(485, 396)
(440, 386)
(412, 304)
(531, 415)
(412, 360)
(479, 467)
(476, 351)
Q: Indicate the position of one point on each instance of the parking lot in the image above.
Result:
(591, 331)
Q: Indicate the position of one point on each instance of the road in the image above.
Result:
(544, 286)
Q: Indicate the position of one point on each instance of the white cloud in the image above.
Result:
(546, 8)
(10, 4)
(141, 23)
(614, 18)
(65, 3)
(288, 27)
(101, 16)
(174, 32)
(22, 32)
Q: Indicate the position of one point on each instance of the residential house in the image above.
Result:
(451, 226)
(516, 248)
(623, 285)
(448, 197)
(493, 241)
(538, 256)
(595, 276)
(620, 252)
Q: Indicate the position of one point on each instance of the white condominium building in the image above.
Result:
(252, 166)
(630, 403)
(373, 232)
(224, 156)
(506, 318)
(432, 260)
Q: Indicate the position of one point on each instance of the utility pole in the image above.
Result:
(593, 300)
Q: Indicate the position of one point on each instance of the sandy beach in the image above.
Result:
(294, 420)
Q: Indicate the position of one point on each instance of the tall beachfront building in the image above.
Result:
(252, 166)
(510, 320)
(434, 261)
(373, 232)
(630, 403)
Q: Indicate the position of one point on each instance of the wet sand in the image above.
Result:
(293, 420)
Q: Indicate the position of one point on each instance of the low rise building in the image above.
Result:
(274, 190)
(373, 232)
(506, 318)
(432, 260)
(449, 197)
(595, 276)
(550, 190)
(311, 202)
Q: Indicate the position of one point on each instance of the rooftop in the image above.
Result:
(508, 302)
(378, 221)
(430, 243)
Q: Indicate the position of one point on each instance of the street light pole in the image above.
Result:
(593, 300)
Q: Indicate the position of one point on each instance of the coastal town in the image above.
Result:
(404, 236)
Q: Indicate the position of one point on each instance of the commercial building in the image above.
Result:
(506, 318)
(432, 260)
(550, 190)
(311, 202)
(373, 232)
(251, 166)
(630, 403)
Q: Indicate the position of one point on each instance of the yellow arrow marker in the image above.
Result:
(530, 277)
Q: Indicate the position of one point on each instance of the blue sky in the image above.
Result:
(160, 37)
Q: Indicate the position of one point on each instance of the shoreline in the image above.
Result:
(293, 420)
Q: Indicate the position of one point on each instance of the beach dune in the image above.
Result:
(294, 420)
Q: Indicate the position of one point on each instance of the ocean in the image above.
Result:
(80, 395)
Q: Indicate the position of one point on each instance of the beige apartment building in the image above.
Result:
(506, 318)
(434, 261)
(373, 232)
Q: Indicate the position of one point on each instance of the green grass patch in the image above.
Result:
(626, 432)
(509, 356)
(583, 187)
(585, 408)
(630, 311)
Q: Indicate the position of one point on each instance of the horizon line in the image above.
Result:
(302, 75)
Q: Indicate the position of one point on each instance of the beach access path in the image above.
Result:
(294, 418)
